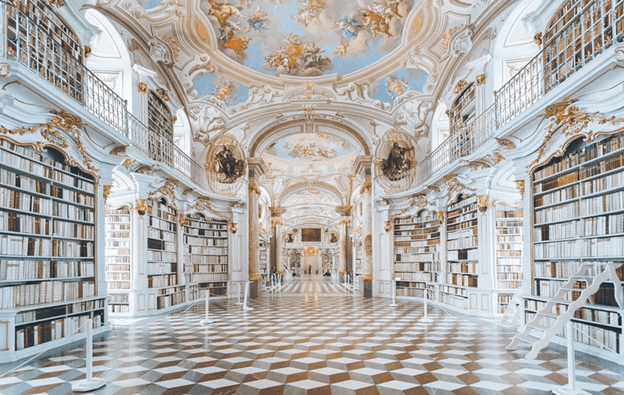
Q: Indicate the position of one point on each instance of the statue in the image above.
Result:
(396, 165)
(228, 165)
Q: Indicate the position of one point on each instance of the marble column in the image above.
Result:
(345, 221)
(254, 233)
(276, 233)
(367, 237)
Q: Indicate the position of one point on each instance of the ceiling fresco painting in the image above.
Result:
(307, 37)
(308, 147)
(399, 82)
(222, 89)
(310, 197)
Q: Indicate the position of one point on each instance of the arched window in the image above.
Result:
(579, 31)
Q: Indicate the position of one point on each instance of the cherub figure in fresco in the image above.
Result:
(223, 11)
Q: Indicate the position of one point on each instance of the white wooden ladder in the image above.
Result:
(512, 312)
(560, 308)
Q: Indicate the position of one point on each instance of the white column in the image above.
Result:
(254, 232)
(367, 237)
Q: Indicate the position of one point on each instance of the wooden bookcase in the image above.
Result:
(118, 258)
(48, 271)
(462, 242)
(578, 217)
(206, 254)
(162, 254)
(263, 257)
(417, 253)
(509, 238)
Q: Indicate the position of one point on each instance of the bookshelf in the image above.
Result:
(462, 242)
(263, 257)
(48, 271)
(205, 255)
(162, 254)
(578, 218)
(417, 253)
(118, 258)
(509, 238)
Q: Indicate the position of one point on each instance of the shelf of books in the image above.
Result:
(417, 262)
(118, 258)
(48, 274)
(578, 218)
(509, 221)
(263, 257)
(162, 254)
(462, 242)
(205, 255)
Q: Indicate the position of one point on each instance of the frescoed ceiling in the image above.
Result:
(308, 147)
(307, 37)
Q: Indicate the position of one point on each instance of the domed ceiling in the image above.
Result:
(307, 37)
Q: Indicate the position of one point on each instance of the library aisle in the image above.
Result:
(296, 344)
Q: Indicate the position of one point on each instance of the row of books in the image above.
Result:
(32, 335)
(13, 245)
(558, 196)
(118, 220)
(601, 184)
(155, 233)
(454, 300)
(57, 311)
(162, 302)
(463, 267)
(117, 276)
(509, 276)
(509, 217)
(162, 281)
(161, 268)
(46, 168)
(220, 225)
(509, 230)
(158, 223)
(161, 256)
(423, 257)
(25, 202)
(472, 224)
(413, 292)
(159, 218)
(206, 259)
(416, 249)
(432, 217)
(415, 276)
(419, 240)
(206, 233)
(117, 234)
(469, 203)
(421, 227)
(556, 214)
(508, 284)
(118, 298)
(202, 241)
(155, 244)
(117, 258)
(462, 234)
(205, 250)
(509, 246)
(45, 292)
(454, 290)
(506, 238)
(514, 266)
(12, 270)
(418, 267)
(603, 204)
(558, 231)
(118, 308)
(26, 184)
(462, 243)
(117, 268)
(212, 268)
(118, 246)
(603, 225)
(23, 223)
(68, 211)
(463, 280)
(206, 277)
(561, 181)
(116, 285)
(72, 230)
(461, 218)
(456, 255)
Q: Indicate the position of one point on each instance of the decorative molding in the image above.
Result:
(446, 37)
(254, 190)
(163, 94)
(480, 79)
(119, 151)
(387, 226)
(520, 186)
(275, 223)
(433, 188)
(106, 191)
(167, 190)
(187, 191)
(142, 87)
(202, 205)
(619, 54)
(233, 227)
(277, 210)
(5, 69)
(538, 38)
(182, 219)
(483, 203)
(367, 188)
(506, 143)
(497, 157)
(344, 221)
(254, 277)
(366, 277)
(140, 207)
(54, 3)
(344, 210)
(145, 169)
(454, 188)
(461, 84)
(87, 51)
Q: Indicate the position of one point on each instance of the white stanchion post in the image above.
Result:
(207, 319)
(426, 319)
(245, 307)
(238, 291)
(571, 388)
(90, 383)
(394, 303)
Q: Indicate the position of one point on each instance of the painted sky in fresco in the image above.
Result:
(310, 147)
(307, 37)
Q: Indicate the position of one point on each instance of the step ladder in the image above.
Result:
(511, 316)
(560, 308)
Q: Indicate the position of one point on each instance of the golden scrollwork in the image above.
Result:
(441, 215)
(387, 226)
(498, 157)
(167, 190)
(55, 3)
(174, 46)
(106, 191)
(182, 219)
(461, 84)
(233, 227)
(127, 163)
(5, 69)
(454, 188)
(366, 189)
(254, 190)
(506, 143)
(446, 37)
(202, 205)
(483, 203)
(163, 94)
(277, 210)
(275, 223)
(142, 87)
(344, 221)
(417, 24)
(187, 191)
(87, 51)
(480, 79)
(538, 38)
(140, 207)
(344, 210)
(145, 169)
(433, 188)
(520, 186)
(119, 151)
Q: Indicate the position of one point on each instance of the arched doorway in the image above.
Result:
(311, 259)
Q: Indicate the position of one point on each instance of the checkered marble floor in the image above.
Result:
(308, 343)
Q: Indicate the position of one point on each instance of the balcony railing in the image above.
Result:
(23, 41)
(594, 29)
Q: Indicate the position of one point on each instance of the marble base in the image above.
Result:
(368, 288)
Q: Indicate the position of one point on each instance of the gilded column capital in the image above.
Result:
(387, 226)
(344, 210)
(163, 94)
(142, 87)
(277, 210)
(483, 203)
(276, 223)
(367, 188)
(140, 207)
(366, 277)
(254, 190)
(254, 277)
(106, 190)
(233, 227)
(480, 79)
(344, 221)
(520, 186)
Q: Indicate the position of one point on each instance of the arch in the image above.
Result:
(273, 132)
(327, 188)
